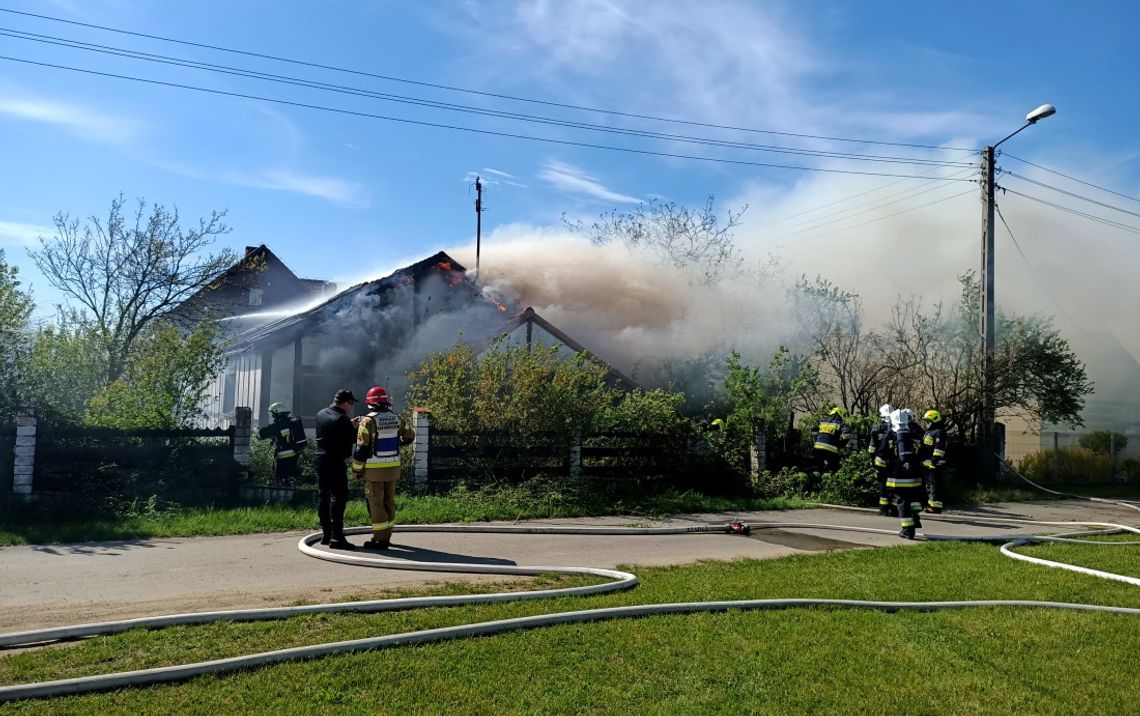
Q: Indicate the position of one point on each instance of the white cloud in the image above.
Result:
(78, 119)
(574, 180)
(17, 234)
(493, 177)
(340, 191)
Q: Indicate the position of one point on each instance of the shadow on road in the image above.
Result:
(421, 554)
(96, 549)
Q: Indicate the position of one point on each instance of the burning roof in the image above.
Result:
(448, 270)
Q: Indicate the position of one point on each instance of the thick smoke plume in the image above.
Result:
(628, 306)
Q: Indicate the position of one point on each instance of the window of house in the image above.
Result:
(255, 296)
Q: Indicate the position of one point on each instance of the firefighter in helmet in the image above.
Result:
(882, 454)
(830, 438)
(905, 479)
(933, 459)
(288, 436)
(376, 461)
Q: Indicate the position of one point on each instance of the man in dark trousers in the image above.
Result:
(336, 436)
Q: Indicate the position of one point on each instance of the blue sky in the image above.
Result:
(340, 197)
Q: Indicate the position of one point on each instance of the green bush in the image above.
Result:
(1103, 442)
(854, 483)
(261, 465)
(1072, 465)
(787, 482)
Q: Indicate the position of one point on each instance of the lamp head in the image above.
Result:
(1045, 110)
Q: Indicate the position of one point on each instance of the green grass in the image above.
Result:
(50, 523)
(46, 524)
(993, 660)
(984, 494)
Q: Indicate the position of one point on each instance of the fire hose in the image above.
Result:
(618, 580)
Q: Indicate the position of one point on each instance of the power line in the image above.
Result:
(1044, 286)
(882, 218)
(845, 199)
(1070, 178)
(401, 99)
(439, 125)
(1072, 194)
(451, 88)
(1092, 217)
(879, 203)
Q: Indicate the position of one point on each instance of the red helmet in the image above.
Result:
(376, 395)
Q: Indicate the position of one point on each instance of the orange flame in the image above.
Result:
(502, 308)
(444, 265)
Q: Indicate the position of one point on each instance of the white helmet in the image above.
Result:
(885, 412)
(901, 419)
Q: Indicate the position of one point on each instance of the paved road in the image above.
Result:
(65, 584)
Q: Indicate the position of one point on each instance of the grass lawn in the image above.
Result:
(45, 524)
(992, 660)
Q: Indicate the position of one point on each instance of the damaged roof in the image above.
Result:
(530, 316)
(437, 261)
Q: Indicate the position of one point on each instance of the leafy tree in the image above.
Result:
(164, 384)
(15, 310)
(691, 239)
(1104, 442)
(64, 369)
(125, 273)
(761, 399)
(1037, 374)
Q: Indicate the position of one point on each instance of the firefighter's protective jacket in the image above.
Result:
(288, 435)
(378, 439)
(906, 472)
(832, 434)
(934, 447)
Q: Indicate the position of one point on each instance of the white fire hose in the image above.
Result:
(619, 580)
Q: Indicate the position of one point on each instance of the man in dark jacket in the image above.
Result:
(336, 436)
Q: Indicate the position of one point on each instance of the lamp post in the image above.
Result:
(987, 279)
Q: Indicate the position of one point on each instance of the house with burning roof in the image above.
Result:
(372, 333)
(258, 282)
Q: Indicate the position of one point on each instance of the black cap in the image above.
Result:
(344, 395)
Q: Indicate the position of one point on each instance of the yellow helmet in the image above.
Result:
(933, 416)
(836, 410)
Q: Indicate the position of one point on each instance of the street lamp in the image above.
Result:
(987, 318)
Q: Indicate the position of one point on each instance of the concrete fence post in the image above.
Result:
(1056, 457)
(576, 459)
(24, 467)
(758, 452)
(421, 457)
(243, 420)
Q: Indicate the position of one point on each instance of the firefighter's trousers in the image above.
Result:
(932, 481)
(885, 503)
(380, 491)
(286, 470)
(906, 491)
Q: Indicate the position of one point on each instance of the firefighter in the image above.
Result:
(905, 480)
(830, 438)
(882, 454)
(335, 435)
(376, 461)
(288, 436)
(933, 459)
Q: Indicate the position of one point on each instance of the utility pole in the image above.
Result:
(479, 220)
(986, 432)
(986, 446)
